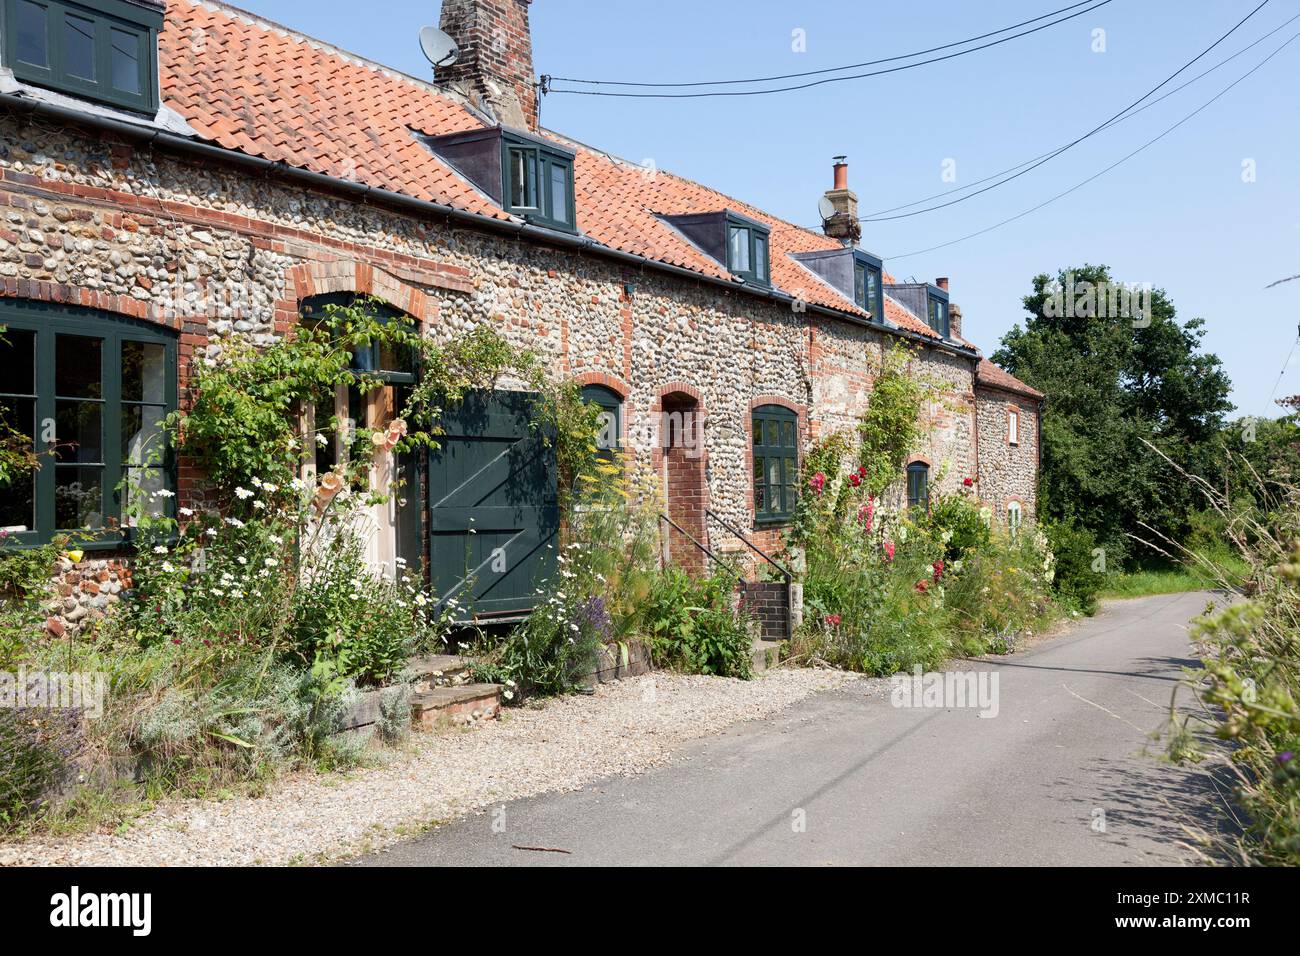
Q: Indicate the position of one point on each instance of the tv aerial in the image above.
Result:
(438, 48)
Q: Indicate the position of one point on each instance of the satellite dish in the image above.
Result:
(826, 208)
(439, 49)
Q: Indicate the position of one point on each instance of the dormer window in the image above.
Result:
(747, 250)
(528, 176)
(538, 182)
(868, 291)
(937, 314)
(105, 50)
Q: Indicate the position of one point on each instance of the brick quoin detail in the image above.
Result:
(318, 278)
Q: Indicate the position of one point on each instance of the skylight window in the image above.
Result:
(105, 50)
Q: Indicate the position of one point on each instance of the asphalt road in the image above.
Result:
(846, 778)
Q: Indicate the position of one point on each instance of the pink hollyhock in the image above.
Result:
(862, 470)
(921, 586)
(866, 513)
(938, 570)
(817, 482)
(833, 620)
(967, 482)
(889, 551)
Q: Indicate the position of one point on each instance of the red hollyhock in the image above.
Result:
(921, 586)
(855, 480)
(967, 482)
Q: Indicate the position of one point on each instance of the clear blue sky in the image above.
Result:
(1177, 215)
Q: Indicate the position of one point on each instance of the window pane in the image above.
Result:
(773, 472)
(33, 44)
(144, 372)
(760, 499)
(773, 438)
(77, 367)
(787, 434)
(79, 46)
(142, 434)
(126, 61)
(860, 285)
(738, 251)
(17, 361)
(17, 497)
(758, 431)
(142, 488)
(560, 193)
(791, 470)
(523, 172)
(78, 497)
(79, 428)
(760, 257)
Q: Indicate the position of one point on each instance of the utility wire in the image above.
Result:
(1122, 160)
(832, 69)
(1052, 155)
(1282, 374)
(834, 79)
(1129, 116)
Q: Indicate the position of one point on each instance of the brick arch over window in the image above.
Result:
(74, 295)
(349, 275)
(611, 382)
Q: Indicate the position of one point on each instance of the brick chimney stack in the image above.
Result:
(843, 223)
(495, 68)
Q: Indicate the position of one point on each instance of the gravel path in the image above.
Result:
(627, 728)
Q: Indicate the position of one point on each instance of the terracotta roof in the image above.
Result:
(995, 377)
(251, 85)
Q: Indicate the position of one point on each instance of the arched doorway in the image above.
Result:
(685, 480)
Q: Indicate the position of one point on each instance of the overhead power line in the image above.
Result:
(1092, 132)
(1098, 175)
(548, 80)
(1159, 99)
(831, 69)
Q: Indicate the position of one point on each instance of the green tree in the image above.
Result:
(1115, 383)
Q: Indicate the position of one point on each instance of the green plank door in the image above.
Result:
(493, 515)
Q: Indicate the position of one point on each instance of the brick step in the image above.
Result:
(765, 654)
(436, 670)
(455, 706)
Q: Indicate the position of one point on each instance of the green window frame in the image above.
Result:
(776, 463)
(749, 250)
(105, 50)
(537, 183)
(610, 439)
(937, 317)
(918, 485)
(105, 383)
(868, 287)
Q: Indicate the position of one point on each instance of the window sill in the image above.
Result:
(767, 524)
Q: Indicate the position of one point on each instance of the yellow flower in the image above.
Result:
(75, 556)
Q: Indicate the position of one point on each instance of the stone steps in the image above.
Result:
(436, 670)
(459, 706)
(765, 654)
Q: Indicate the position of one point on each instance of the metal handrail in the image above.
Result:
(690, 537)
(753, 547)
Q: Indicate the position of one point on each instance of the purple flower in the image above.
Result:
(1284, 757)
(595, 614)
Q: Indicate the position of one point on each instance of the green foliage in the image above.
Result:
(24, 580)
(1002, 592)
(38, 753)
(1114, 387)
(890, 428)
(605, 571)
(1075, 582)
(958, 521)
(694, 624)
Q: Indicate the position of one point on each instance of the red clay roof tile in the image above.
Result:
(250, 85)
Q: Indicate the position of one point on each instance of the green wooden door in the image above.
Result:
(493, 515)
